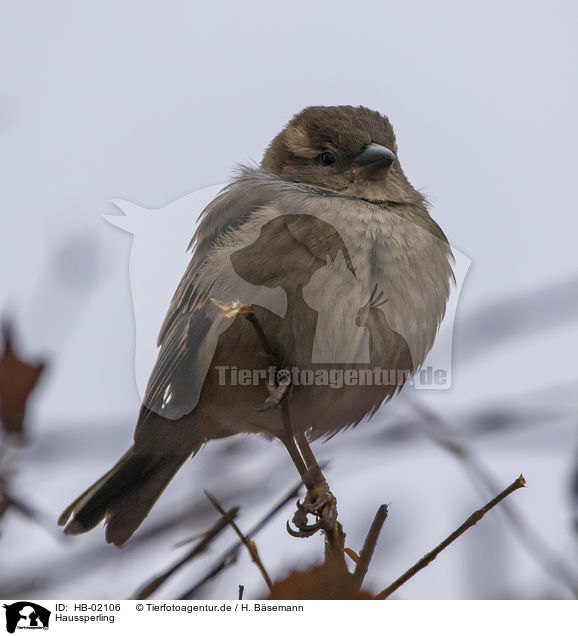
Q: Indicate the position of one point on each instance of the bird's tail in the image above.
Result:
(123, 496)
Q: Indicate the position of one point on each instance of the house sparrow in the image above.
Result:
(323, 263)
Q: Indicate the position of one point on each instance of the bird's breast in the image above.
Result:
(399, 280)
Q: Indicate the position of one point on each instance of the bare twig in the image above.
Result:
(56, 570)
(352, 555)
(250, 545)
(220, 525)
(224, 563)
(248, 313)
(524, 314)
(229, 557)
(296, 444)
(445, 436)
(335, 550)
(366, 553)
(468, 523)
(294, 441)
(574, 493)
(8, 501)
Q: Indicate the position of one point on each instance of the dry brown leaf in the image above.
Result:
(17, 381)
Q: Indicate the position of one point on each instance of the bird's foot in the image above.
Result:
(277, 393)
(323, 506)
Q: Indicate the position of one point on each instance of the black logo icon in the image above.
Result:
(26, 615)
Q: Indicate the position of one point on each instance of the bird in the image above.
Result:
(316, 286)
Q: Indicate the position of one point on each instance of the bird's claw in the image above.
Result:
(304, 531)
(301, 507)
(324, 507)
(277, 395)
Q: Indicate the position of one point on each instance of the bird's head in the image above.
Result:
(351, 150)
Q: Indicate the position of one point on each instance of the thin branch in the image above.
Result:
(299, 452)
(366, 553)
(229, 557)
(248, 313)
(250, 545)
(55, 571)
(224, 563)
(445, 435)
(469, 523)
(220, 525)
(335, 549)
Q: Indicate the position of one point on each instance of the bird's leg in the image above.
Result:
(320, 500)
(300, 517)
(293, 451)
(311, 462)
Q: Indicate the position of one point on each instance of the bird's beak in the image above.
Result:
(373, 163)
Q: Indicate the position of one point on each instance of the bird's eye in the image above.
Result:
(327, 158)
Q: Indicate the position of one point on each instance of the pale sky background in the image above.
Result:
(149, 101)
